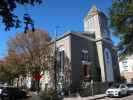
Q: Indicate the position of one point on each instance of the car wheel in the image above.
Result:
(12, 98)
(119, 95)
(126, 93)
(5, 98)
(2, 98)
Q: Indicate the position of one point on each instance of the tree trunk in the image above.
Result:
(38, 86)
(18, 82)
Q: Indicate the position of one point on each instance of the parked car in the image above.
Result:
(117, 90)
(130, 87)
(12, 93)
(1, 88)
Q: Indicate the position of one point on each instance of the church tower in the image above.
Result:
(96, 23)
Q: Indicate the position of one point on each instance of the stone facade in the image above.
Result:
(88, 55)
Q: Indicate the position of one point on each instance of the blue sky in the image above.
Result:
(68, 14)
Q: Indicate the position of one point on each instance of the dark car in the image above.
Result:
(1, 88)
(130, 88)
(12, 93)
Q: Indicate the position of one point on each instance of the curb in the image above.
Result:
(95, 98)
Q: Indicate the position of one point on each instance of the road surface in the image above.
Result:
(129, 97)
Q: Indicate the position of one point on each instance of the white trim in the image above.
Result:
(86, 62)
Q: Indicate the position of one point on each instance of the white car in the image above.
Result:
(117, 90)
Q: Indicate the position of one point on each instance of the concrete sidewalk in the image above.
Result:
(34, 96)
(95, 97)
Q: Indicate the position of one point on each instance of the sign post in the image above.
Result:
(92, 91)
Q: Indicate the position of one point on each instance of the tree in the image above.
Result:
(6, 11)
(15, 66)
(7, 72)
(12, 67)
(3, 77)
(121, 16)
(33, 49)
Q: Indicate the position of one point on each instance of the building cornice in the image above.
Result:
(79, 34)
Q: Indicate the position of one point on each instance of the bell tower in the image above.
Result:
(95, 22)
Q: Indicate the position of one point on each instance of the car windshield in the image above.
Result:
(115, 86)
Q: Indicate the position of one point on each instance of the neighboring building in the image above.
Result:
(126, 68)
(1, 62)
(88, 55)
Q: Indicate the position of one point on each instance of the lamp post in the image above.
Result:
(55, 75)
(55, 59)
(92, 91)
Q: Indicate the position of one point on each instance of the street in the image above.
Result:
(130, 97)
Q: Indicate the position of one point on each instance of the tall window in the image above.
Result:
(124, 62)
(91, 24)
(86, 71)
(84, 55)
(61, 60)
(125, 65)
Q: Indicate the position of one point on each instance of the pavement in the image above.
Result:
(33, 96)
(129, 97)
(36, 97)
(95, 97)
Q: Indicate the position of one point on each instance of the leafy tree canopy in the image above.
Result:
(121, 16)
(27, 53)
(6, 11)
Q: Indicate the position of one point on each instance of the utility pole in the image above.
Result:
(55, 58)
(92, 91)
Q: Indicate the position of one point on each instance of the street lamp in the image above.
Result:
(55, 58)
(58, 84)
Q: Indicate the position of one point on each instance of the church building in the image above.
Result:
(88, 55)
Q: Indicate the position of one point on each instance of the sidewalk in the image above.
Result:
(95, 97)
(86, 98)
(33, 96)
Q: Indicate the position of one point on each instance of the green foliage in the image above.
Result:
(6, 75)
(95, 73)
(49, 95)
(86, 85)
(121, 16)
(120, 13)
(85, 89)
(89, 89)
(6, 11)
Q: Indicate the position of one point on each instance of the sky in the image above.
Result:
(67, 14)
